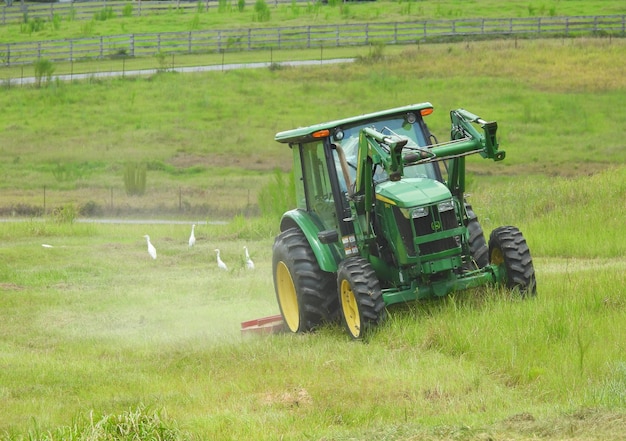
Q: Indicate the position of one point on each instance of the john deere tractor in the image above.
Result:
(382, 218)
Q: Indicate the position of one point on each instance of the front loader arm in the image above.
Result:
(463, 128)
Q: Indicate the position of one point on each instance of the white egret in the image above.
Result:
(249, 262)
(192, 238)
(220, 263)
(151, 249)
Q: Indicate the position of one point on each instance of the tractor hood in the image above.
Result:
(412, 192)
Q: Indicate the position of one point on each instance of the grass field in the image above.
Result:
(99, 338)
(100, 342)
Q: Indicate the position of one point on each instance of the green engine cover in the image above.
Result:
(412, 192)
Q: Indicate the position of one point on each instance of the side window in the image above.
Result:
(297, 178)
(317, 185)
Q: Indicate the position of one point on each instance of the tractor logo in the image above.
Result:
(435, 225)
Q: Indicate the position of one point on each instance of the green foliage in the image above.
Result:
(56, 22)
(43, 71)
(87, 28)
(261, 11)
(140, 423)
(104, 14)
(375, 54)
(69, 172)
(90, 209)
(135, 179)
(127, 10)
(71, 15)
(278, 196)
(241, 5)
(195, 23)
(32, 25)
(65, 214)
(162, 58)
(223, 6)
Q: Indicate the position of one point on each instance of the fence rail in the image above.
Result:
(87, 10)
(232, 40)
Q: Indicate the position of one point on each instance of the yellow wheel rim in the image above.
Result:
(496, 256)
(350, 309)
(287, 297)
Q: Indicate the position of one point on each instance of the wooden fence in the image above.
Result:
(87, 10)
(232, 40)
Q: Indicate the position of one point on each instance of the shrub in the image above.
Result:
(66, 214)
(127, 10)
(43, 69)
(90, 209)
(104, 14)
(277, 196)
(135, 179)
(261, 11)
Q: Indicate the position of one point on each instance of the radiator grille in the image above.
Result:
(434, 222)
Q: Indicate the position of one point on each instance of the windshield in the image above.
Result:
(399, 126)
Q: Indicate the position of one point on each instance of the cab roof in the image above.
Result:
(305, 134)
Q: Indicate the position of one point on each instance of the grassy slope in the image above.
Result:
(193, 133)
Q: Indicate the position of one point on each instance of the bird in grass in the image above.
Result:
(192, 238)
(249, 262)
(151, 249)
(220, 263)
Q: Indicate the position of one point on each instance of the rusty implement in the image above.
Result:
(273, 324)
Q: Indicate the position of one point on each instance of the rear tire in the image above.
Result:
(306, 294)
(508, 249)
(360, 297)
(479, 252)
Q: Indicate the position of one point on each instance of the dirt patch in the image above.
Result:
(297, 397)
(10, 287)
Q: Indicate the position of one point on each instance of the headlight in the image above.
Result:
(445, 206)
(419, 212)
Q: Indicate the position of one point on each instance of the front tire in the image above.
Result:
(305, 293)
(360, 297)
(508, 249)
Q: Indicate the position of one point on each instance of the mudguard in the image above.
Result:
(327, 256)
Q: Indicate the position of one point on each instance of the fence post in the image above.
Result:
(250, 39)
(308, 37)
(101, 47)
(189, 43)
(132, 45)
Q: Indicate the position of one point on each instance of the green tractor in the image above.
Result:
(382, 218)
